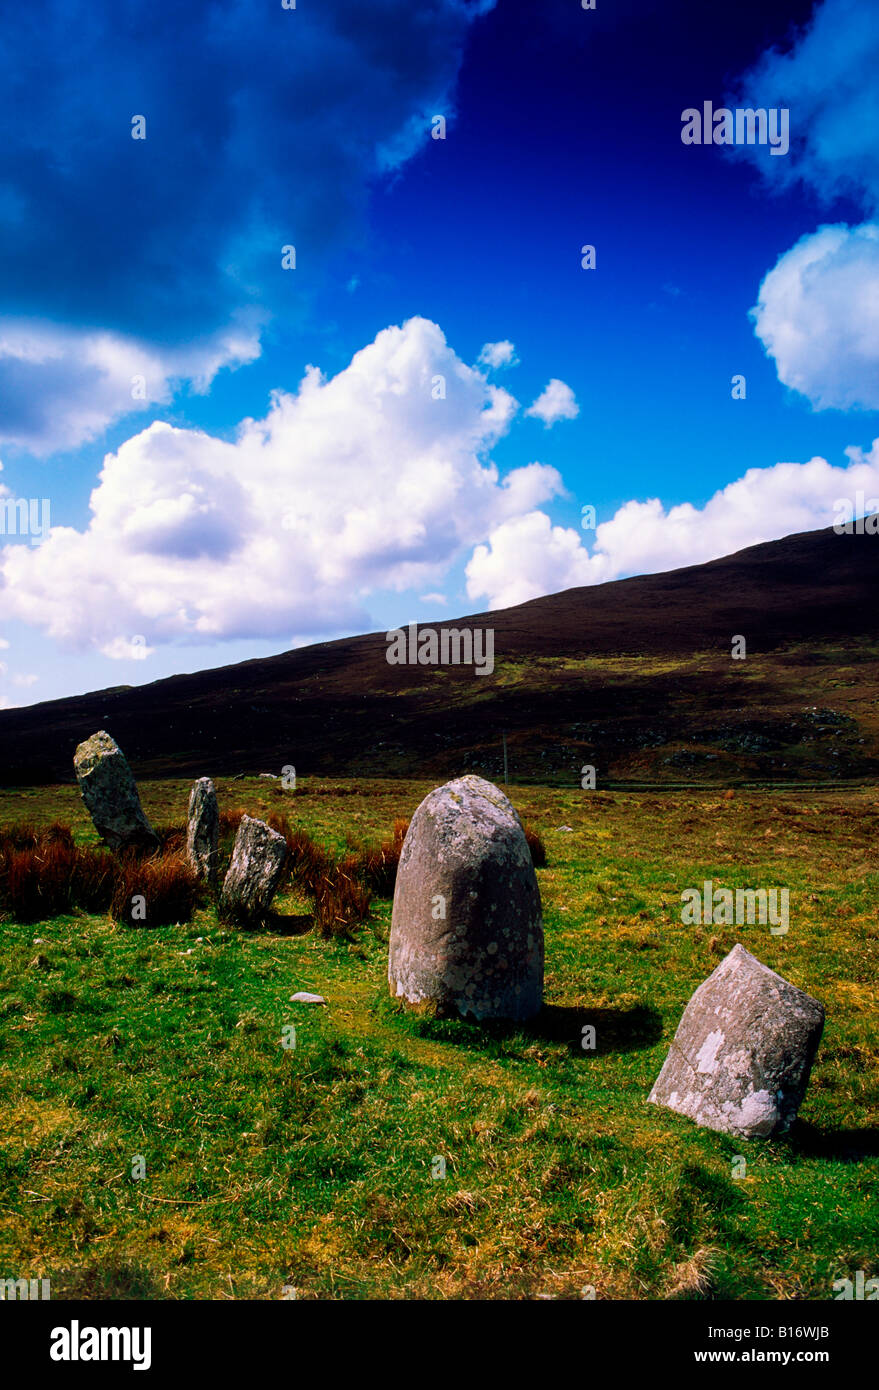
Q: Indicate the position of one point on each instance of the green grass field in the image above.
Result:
(316, 1168)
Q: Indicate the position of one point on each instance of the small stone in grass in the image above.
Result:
(303, 997)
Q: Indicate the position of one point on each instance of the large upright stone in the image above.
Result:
(203, 830)
(110, 793)
(466, 930)
(258, 858)
(741, 1057)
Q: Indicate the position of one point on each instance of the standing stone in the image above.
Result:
(741, 1057)
(110, 794)
(466, 930)
(203, 830)
(258, 859)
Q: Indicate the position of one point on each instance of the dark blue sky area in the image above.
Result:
(567, 131)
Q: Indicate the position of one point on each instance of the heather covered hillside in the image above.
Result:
(636, 678)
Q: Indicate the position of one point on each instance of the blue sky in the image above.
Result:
(330, 448)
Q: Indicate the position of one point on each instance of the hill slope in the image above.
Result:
(634, 677)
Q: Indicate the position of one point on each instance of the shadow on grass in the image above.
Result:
(845, 1145)
(112, 1279)
(279, 924)
(615, 1030)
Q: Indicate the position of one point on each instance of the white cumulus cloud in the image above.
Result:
(502, 354)
(355, 484)
(63, 386)
(818, 311)
(817, 315)
(827, 79)
(555, 402)
(526, 556)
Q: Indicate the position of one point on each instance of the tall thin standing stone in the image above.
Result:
(203, 830)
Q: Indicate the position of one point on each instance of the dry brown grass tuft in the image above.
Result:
(693, 1278)
(308, 863)
(172, 839)
(155, 892)
(536, 846)
(44, 874)
(341, 901)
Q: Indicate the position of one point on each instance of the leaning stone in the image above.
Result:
(258, 859)
(466, 931)
(110, 794)
(741, 1057)
(203, 830)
